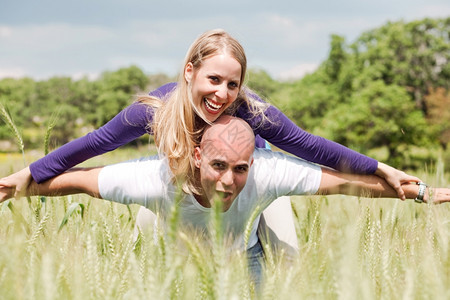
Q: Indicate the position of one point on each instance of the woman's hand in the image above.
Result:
(395, 178)
(438, 195)
(6, 193)
(15, 185)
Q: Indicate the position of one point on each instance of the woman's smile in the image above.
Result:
(211, 106)
(215, 85)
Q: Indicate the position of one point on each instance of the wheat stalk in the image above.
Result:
(49, 130)
(39, 230)
(8, 120)
(248, 227)
(207, 290)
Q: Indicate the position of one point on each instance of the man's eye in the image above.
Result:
(241, 169)
(218, 166)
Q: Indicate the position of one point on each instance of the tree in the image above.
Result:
(414, 55)
(311, 99)
(116, 91)
(261, 82)
(378, 115)
(438, 103)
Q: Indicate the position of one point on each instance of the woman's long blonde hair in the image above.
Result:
(177, 123)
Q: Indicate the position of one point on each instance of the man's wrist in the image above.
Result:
(421, 193)
(380, 171)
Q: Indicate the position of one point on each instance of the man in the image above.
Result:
(229, 170)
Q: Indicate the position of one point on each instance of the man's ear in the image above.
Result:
(251, 163)
(197, 156)
(188, 71)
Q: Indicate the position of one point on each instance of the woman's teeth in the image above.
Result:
(212, 106)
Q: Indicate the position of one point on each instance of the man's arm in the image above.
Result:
(373, 186)
(74, 181)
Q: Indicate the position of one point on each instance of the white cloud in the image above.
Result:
(297, 71)
(429, 10)
(281, 21)
(276, 35)
(53, 49)
(89, 76)
(14, 72)
(51, 37)
(5, 31)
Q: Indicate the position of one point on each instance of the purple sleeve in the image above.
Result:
(128, 125)
(287, 136)
(163, 91)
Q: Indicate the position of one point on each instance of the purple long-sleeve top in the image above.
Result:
(133, 122)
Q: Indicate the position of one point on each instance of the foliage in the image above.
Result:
(387, 90)
(77, 104)
(380, 115)
(414, 55)
(438, 107)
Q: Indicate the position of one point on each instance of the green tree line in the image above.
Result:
(386, 95)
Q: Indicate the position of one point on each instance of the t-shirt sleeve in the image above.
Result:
(140, 181)
(129, 124)
(284, 134)
(283, 175)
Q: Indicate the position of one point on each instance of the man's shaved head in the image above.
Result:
(231, 131)
(224, 159)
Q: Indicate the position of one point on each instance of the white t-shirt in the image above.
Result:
(146, 181)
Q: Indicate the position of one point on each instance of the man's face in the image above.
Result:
(224, 162)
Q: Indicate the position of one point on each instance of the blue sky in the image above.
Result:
(286, 38)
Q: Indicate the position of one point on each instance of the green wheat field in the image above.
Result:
(78, 247)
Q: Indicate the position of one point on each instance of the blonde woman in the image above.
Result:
(210, 83)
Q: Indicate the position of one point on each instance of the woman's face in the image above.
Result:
(215, 85)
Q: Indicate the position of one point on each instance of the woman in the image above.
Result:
(211, 83)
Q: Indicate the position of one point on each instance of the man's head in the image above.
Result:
(224, 159)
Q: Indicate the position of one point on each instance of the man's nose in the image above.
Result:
(227, 178)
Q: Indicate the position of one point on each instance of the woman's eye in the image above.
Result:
(233, 85)
(214, 78)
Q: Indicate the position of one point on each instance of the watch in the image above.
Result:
(422, 188)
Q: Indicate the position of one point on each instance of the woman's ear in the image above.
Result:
(197, 157)
(188, 71)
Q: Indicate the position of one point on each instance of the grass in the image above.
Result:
(78, 247)
(351, 248)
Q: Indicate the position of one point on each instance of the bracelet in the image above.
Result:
(422, 188)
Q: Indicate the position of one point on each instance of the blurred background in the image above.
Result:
(372, 75)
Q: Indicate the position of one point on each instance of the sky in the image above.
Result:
(286, 38)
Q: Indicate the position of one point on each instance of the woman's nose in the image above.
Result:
(222, 91)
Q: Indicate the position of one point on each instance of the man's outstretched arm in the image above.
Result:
(333, 182)
(74, 181)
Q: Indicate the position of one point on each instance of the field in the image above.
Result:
(78, 247)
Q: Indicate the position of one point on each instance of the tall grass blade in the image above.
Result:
(6, 116)
(51, 125)
(72, 208)
(248, 226)
(17, 215)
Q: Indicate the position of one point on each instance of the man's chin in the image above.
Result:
(226, 199)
